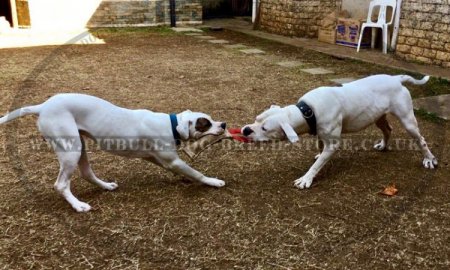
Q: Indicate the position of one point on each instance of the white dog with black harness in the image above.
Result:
(139, 133)
(330, 111)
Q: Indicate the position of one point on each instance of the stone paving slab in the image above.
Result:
(317, 71)
(235, 46)
(218, 41)
(343, 80)
(252, 51)
(290, 64)
(205, 37)
(193, 34)
(369, 56)
(186, 29)
(439, 105)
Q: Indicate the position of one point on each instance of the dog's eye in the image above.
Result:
(263, 129)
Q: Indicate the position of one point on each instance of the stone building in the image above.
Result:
(75, 14)
(424, 34)
(145, 13)
(295, 17)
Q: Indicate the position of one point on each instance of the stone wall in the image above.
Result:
(112, 13)
(424, 34)
(295, 17)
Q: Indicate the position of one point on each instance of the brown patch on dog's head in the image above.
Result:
(202, 124)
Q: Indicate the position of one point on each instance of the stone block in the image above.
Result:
(417, 51)
(444, 56)
(343, 80)
(411, 41)
(218, 41)
(438, 45)
(444, 37)
(406, 32)
(290, 64)
(436, 62)
(424, 60)
(427, 7)
(419, 33)
(443, 9)
(440, 27)
(252, 51)
(426, 25)
(424, 43)
(403, 48)
(445, 19)
(317, 71)
(401, 39)
(447, 47)
(434, 36)
(429, 53)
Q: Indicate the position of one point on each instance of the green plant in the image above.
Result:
(428, 116)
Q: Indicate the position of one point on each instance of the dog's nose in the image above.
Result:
(247, 131)
(223, 125)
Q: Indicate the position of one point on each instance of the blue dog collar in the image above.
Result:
(174, 123)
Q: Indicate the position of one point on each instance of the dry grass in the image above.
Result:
(156, 220)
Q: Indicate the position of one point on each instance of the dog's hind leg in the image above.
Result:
(404, 112)
(68, 163)
(87, 173)
(383, 124)
(65, 139)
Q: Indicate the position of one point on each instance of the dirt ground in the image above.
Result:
(259, 220)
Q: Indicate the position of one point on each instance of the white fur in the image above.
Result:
(349, 108)
(66, 115)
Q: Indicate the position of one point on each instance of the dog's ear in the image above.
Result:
(273, 106)
(184, 124)
(183, 129)
(291, 135)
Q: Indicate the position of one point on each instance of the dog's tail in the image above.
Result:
(21, 112)
(407, 78)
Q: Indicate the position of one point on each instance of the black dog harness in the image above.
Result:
(309, 116)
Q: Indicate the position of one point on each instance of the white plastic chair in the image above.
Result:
(380, 23)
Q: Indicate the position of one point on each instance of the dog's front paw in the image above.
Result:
(430, 163)
(110, 186)
(303, 182)
(213, 182)
(381, 146)
(81, 207)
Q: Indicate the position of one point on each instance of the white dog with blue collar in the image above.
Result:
(131, 133)
(330, 111)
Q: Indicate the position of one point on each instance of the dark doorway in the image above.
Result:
(226, 8)
(5, 11)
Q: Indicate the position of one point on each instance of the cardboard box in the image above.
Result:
(347, 33)
(327, 35)
(327, 27)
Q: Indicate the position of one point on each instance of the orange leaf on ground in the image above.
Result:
(390, 190)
